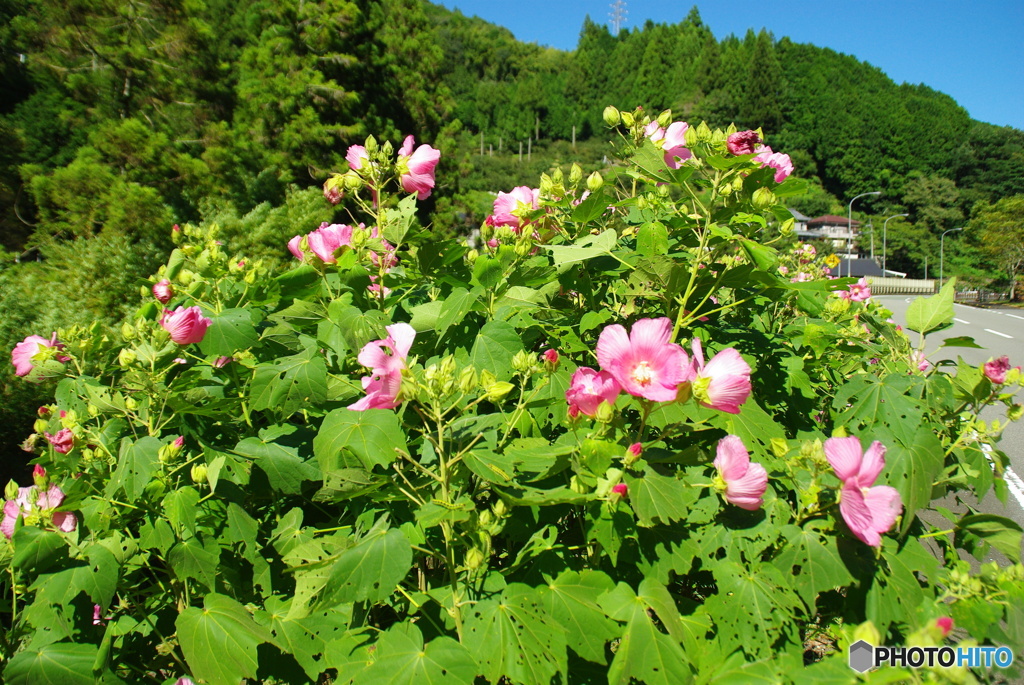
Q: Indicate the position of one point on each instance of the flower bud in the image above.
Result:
(1013, 376)
(1015, 411)
(475, 558)
(371, 145)
(605, 413)
(594, 182)
(472, 255)
(468, 380)
(131, 404)
(185, 276)
(575, 174)
(127, 331)
(11, 490)
(198, 473)
(703, 132)
(93, 410)
(497, 390)
(763, 198)
(43, 411)
(500, 509)
(176, 234)
(611, 116)
(665, 118)
(334, 189)
(868, 632)
(126, 357)
(550, 358)
(40, 425)
(39, 477)
(546, 184)
(633, 453)
(163, 291)
(627, 119)
(522, 362)
(353, 181)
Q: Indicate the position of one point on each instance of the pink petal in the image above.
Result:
(698, 355)
(649, 337)
(403, 335)
(732, 458)
(407, 146)
(65, 521)
(727, 394)
(844, 454)
(728, 362)
(871, 465)
(857, 516)
(884, 505)
(50, 499)
(612, 348)
(748, 492)
(7, 525)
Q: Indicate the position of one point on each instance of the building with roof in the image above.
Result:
(837, 229)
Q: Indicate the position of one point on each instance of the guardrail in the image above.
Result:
(901, 286)
(979, 297)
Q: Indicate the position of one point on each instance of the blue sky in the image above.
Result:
(973, 51)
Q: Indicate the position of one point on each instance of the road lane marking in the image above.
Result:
(961, 321)
(989, 330)
(1013, 482)
(1016, 317)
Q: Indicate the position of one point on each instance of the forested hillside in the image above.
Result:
(118, 120)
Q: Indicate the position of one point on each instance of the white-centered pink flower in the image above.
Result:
(416, 168)
(588, 389)
(24, 352)
(868, 511)
(995, 369)
(724, 382)
(511, 207)
(745, 482)
(384, 383)
(860, 291)
(644, 362)
(782, 164)
(185, 324)
(37, 505)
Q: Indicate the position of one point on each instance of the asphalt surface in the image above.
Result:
(1000, 331)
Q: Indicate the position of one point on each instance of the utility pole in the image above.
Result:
(617, 16)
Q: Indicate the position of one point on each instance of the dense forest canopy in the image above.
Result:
(119, 119)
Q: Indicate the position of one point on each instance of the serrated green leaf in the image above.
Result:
(291, 383)
(651, 158)
(401, 658)
(231, 330)
(219, 641)
(455, 307)
(305, 638)
(655, 496)
(926, 314)
(180, 507)
(572, 599)
(752, 607)
(912, 470)
(495, 345)
(372, 436)
(195, 558)
(137, 463)
(58, 663)
(371, 570)
(514, 637)
(812, 560)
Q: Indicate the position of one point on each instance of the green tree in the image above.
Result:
(1000, 229)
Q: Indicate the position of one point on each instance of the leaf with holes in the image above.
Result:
(371, 570)
(514, 637)
(219, 641)
(752, 607)
(812, 560)
(655, 496)
(402, 659)
(372, 435)
(137, 463)
(883, 401)
(572, 599)
(291, 383)
(306, 638)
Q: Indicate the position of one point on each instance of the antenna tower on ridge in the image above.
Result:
(617, 16)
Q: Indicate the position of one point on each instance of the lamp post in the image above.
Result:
(942, 245)
(849, 227)
(885, 226)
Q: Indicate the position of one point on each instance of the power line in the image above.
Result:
(617, 16)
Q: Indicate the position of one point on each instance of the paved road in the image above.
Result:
(1000, 332)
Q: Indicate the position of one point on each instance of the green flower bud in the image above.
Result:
(11, 490)
(575, 174)
(665, 118)
(126, 357)
(185, 277)
(500, 509)
(487, 378)
(468, 380)
(127, 331)
(1015, 412)
(93, 410)
(475, 559)
(763, 198)
(472, 255)
(485, 518)
(1013, 376)
(703, 132)
(787, 227)
(496, 391)
(611, 116)
(868, 632)
(546, 184)
(524, 246)
(131, 404)
(41, 426)
(353, 181)
(522, 361)
(557, 176)
(594, 182)
(87, 455)
(409, 389)
(628, 119)
(605, 413)
(371, 145)
(198, 473)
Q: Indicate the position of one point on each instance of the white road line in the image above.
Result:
(1013, 482)
(989, 330)
(961, 321)
(1016, 317)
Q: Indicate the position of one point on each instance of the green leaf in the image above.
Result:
(487, 271)
(976, 532)
(588, 247)
(402, 658)
(180, 507)
(572, 599)
(194, 558)
(290, 384)
(455, 307)
(305, 638)
(926, 314)
(961, 341)
(752, 607)
(514, 637)
(136, 465)
(231, 330)
(371, 570)
(219, 641)
(495, 345)
(880, 401)
(644, 654)
(812, 560)
(285, 469)
(36, 549)
(651, 158)
(396, 229)
(655, 496)
(58, 663)
(763, 256)
(372, 436)
(494, 468)
(652, 239)
(592, 208)
(912, 470)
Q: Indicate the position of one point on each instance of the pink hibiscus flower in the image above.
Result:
(31, 502)
(508, 206)
(782, 164)
(745, 482)
(417, 168)
(868, 511)
(743, 142)
(588, 389)
(724, 382)
(995, 369)
(185, 324)
(23, 352)
(644, 363)
(383, 385)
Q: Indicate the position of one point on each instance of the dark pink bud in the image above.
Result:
(620, 489)
(551, 357)
(63, 413)
(332, 194)
(97, 615)
(179, 442)
(43, 411)
(636, 449)
(221, 362)
(743, 142)
(163, 291)
(176, 228)
(39, 476)
(945, 624)
(995, 369)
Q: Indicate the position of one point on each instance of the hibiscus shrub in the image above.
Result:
(620, 435)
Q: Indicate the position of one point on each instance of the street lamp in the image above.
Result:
(884, 235)
(942, 245)
(849, 227)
